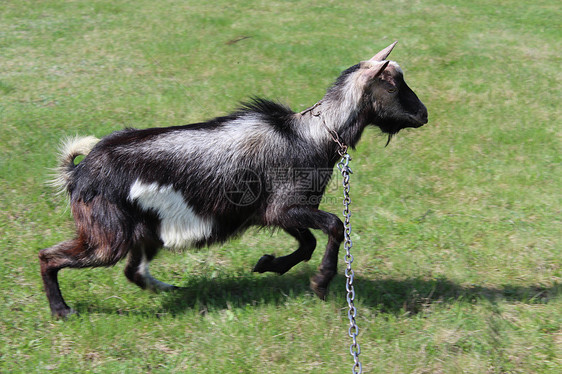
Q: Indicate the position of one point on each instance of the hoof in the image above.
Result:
(64, 313)
(167, 288)
(320, 290)
(264, 264)
(157, 287)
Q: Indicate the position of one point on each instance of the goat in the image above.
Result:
(136, 191)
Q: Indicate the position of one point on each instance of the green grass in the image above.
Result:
(456, 225)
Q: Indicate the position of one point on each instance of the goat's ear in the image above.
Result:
(374, 71)
(380, 69)
(382, 55)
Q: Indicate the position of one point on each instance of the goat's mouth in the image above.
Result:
(392, 126)
(417, 121)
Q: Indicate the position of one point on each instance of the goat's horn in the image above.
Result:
(382, 55)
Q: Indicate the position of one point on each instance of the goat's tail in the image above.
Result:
(69, 150)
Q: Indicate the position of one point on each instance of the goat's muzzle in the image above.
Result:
(419, 119)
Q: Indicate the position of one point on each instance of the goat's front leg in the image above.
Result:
(329, 265)
(302, 217)
(280, 265)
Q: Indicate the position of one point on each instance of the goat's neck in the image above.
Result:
(330, 116)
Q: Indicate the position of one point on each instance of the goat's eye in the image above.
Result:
(391, 90)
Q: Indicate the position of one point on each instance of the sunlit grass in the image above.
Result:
(456, 225)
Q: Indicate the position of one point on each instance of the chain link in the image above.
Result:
(354, 348)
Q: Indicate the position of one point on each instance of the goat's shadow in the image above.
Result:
(393, 296)
(410, 295)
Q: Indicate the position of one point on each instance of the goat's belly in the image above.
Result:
(180, 226)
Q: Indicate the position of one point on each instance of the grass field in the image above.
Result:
(456, 225)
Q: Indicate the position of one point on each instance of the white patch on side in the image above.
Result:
(151, 283)
(180, 226)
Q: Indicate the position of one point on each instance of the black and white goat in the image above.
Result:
(139, 190)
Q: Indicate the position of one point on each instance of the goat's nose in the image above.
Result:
(422, 115)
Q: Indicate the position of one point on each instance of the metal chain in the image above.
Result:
(354, 348)
(345, 171)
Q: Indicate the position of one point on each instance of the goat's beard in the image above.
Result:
(389, 128)
(390, 135)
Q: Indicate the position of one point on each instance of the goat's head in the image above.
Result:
(387, 100)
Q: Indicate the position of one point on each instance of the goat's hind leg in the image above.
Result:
(75, 253)
(280, 265)
(137, 272)
(64, 254)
